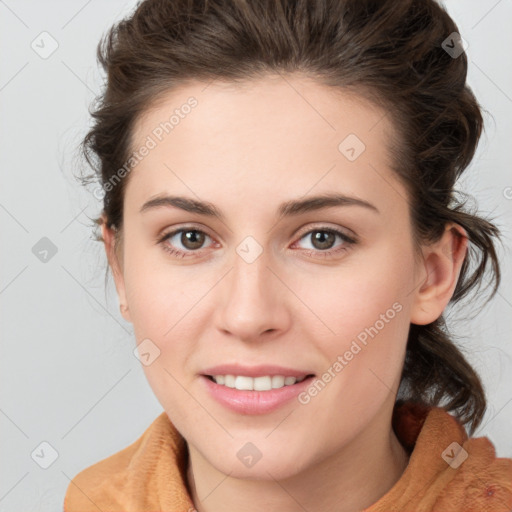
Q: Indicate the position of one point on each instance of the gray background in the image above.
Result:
(68, 373)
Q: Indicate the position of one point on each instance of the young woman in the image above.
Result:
(280, 219)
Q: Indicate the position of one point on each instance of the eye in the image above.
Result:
(323, 239)
(190, 239)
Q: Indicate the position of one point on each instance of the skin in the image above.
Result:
(247, 149)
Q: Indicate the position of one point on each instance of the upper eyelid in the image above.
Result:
(324, 227)
(173, 231)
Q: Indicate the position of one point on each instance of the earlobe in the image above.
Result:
(442, 264)
(109, 241)
(124, 311)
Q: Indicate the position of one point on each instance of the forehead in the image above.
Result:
(277, 107)
(285, 132)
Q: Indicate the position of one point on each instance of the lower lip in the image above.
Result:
(254, 402)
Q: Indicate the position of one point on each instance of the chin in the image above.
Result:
(267, 467)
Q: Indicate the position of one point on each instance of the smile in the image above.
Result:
(254, 395)
(263, 383)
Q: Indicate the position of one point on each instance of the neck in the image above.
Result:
(352, 479)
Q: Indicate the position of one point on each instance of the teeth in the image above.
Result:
(278, 381)
(244, 382)
(229, 380)
(264, 383)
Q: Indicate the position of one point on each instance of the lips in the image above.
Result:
(253, 401)
(246, 390)
(256, 371)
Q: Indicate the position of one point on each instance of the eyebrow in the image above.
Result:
(287, 209)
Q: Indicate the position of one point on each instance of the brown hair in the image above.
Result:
(390, 52)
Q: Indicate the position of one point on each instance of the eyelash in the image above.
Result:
(310, 252)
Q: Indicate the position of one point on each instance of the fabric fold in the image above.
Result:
(447, 472)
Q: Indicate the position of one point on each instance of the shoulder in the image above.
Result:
(467, 472)
(446, 470)
(477, 478)
(115, 482)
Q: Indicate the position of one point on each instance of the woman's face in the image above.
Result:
(267, 281)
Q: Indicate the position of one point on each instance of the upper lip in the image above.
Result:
(255, 371)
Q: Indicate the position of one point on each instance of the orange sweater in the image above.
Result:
(150, 474)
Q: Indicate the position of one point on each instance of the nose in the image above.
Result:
(254, 301)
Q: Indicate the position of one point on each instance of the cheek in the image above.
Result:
(155, 294)
(368, 308)
(164, 308)
(369, 290)
(160, 310)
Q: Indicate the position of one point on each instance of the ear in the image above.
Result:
(116, 266)
(442, 262)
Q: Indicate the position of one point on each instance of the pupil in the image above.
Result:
(192, 239)
(319, 237)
